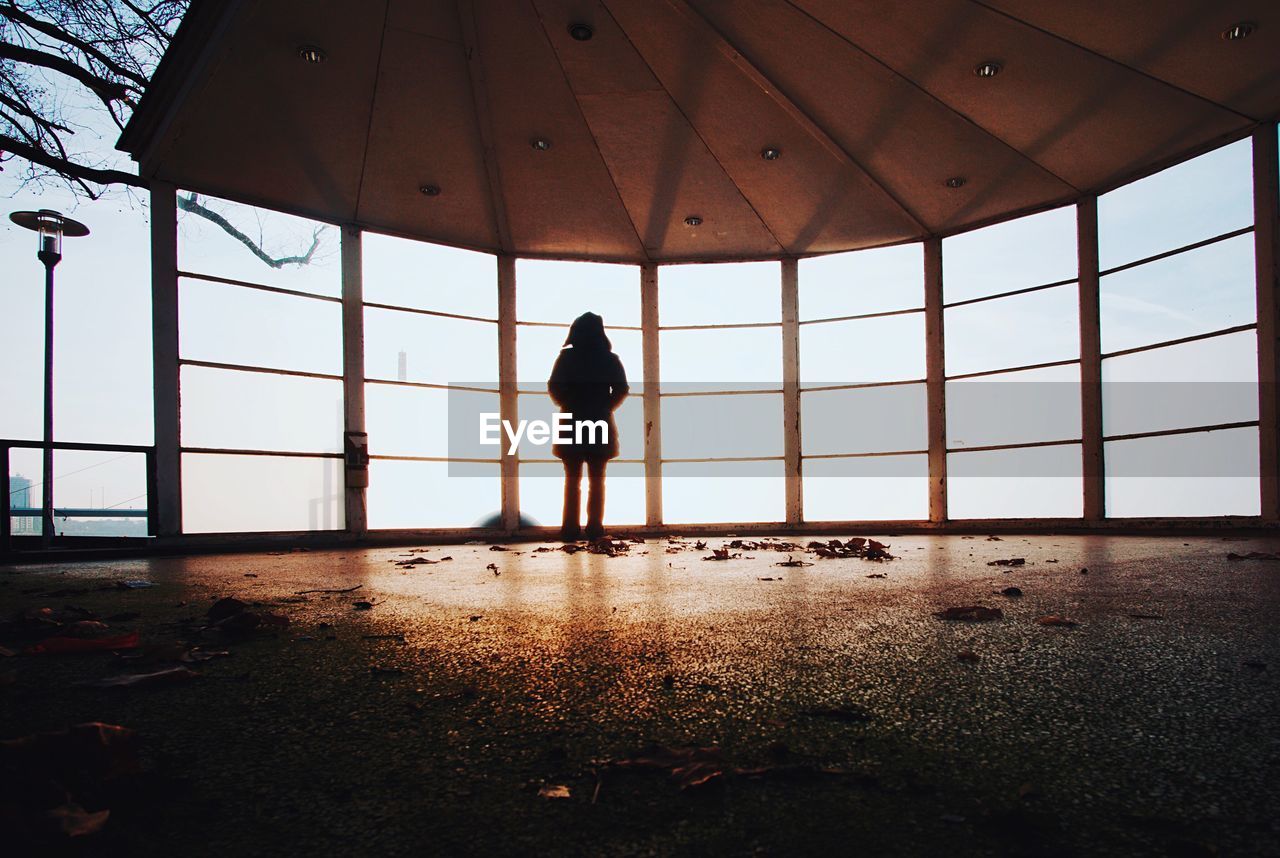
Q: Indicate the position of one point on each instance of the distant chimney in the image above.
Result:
(402, 371)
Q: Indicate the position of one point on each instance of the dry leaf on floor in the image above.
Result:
(1055, 620)
(970, 614)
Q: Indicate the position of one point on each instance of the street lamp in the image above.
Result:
(50, 228)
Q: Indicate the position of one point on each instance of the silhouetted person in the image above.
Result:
(588, 381)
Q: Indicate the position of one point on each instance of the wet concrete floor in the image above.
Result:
(844, 715)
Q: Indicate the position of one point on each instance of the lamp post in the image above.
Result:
(50, 228)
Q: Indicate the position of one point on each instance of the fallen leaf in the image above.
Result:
(1055, 620)
(851, 712)
(362, 606)
(225, 607)
(970, 614)
(74, 821)
(1012, 561)
(791, 563)
(1011, 592)
(61, 645)
(968, 655)
(553, 791)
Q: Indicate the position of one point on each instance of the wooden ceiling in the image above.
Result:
(664, 112)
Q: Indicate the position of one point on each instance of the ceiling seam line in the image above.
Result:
(373, 103)
(594, 140)
(968, 120)
(824, 137)
(1112, 60)
(674, 103)
(484, 123)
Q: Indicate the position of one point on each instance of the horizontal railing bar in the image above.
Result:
(1012, 292)
(865, 455)
(710, 459)
(446, 459)
(1196, 245)
(1224, 332)
(1023, 445)
(263, 370)
(723, 327)
(432, 385)
(861, 316)
(719, 392)
(1190, 430)
(1004, 370)
(524, 461)
(858, 385)
(71, 512)
(419, 311)
(77, 445)
(565, 325)
(231, 451)
(191, 275)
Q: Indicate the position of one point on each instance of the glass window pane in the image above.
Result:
(874, 488)
(432, 494)
(206, 248)
(1210, 473)
(231, 409)
(720, 294)
(542, 493)
(553, 291)
(26, 489)
(720, 359)
(1201, 383)
(240, 494)
(402, 346)
(427, 421)
(1014, 407)
(863, 420)
(232, 324)
(406, 273)
(1033, 482)
(1038, 327)
(722, 492)
(1195, 292)
(696, 427)
(101, 481)
(1016, 254)
(890, 348)
(864, 281)
(1189, 202)
(538, 347)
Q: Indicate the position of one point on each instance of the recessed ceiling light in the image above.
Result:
(542, 144)
(430, 190)
(1236, 32)
(312, 54)
(771, 153)
(955, 182)
(581, 32)
(693, 220)
(990, 68)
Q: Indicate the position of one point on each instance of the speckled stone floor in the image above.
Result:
(846, 715)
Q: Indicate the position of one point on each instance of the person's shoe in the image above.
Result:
(570, 534)
(594, 532)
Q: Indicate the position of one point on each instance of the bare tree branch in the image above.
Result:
(106, 90)
(191, 203)
(68, 168)
(13, 13)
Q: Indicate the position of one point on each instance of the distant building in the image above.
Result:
(402, 370)
(20, 496)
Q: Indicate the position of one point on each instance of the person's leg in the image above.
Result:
(569, 527)
(595, 500)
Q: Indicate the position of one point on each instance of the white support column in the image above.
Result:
(508, 405)
(356, 470)
(791, 462)
(652, 395)
(935, 379)
(1266, 238)
(1093, 469)
(166, 399)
